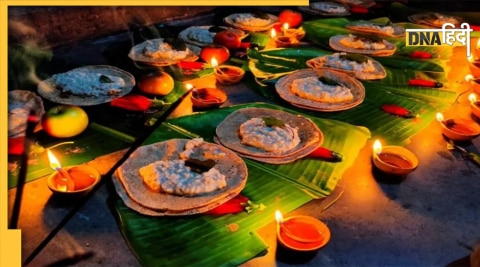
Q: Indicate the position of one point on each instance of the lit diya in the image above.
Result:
(296, 34)
(283, 41)
(227, 74)
(474, 83)
(458, 129)
(394, 160)
(474, 105)
(301, 233)
(474, 65)
(72, 181)
(208, 97)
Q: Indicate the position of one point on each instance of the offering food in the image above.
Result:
(387, 29)
(161, 52)
(254, 22)
(370, 45)
(434, 19)
(179, 177)
(325, 9)
(359, 66)
(267, 135)
(20, 103)
(88, 85)
(204, 35)
(321, 90)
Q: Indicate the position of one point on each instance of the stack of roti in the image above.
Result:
(269, 135)
(179, 177)
(321, 89)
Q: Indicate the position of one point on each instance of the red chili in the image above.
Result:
(191, 64)
(234, 205)
(245, 45)
(424, 83)
(421, 55)
(397, 110)
(132, 102)
(359, 10)
(326, 154)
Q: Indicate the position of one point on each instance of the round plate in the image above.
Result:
(322, 8)
(335, 44)
(430, 19)
(231, 165)
(283, 85)
(321, 62)
(374, 28)
(185, 34)
(136, 54)
(49, 90)
(230, 20)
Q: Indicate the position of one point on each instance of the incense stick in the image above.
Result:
(22, 176)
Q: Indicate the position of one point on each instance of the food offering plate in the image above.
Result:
(246, 21)
(50, 90)
(165, 55)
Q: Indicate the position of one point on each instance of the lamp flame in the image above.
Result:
(377, 147)
(468, 77)
(440, 117)
(478, 43)
(189, 86)
(285, 27)
(471, 59)
(472, 98)
(54, 163)
(214, 62)
(273, 33)
(278, 216)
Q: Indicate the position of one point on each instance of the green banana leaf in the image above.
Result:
(163, 241)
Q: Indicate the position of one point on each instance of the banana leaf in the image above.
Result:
(209, 240)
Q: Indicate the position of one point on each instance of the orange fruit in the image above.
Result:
(158, 83)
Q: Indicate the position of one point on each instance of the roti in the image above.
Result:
(357, 65)
(157, 52)
(283, 88)
(434, 19)
(227, 133)
(362, 45)
(325, 8)
(227, 163)
(251, 21)
(389, 29)
(203, 35)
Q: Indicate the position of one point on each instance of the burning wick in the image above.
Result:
(472, 98)
(288, 232)
(468, 78)
(67, 181)
(285, 27)
(273, 33)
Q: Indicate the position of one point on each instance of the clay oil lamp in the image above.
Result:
(394, 160)
(71, 181)
(474, 65)
(474, 105)
(204, 98)
(301, 233)
(227, 74)
(458, 129)
(296, 34)
(474, 83)
(283, 41)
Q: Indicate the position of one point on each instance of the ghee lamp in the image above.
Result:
(393, 160)
(71, 181)
(474, 65)
(301, 233)
(295, 34)
(474, 83)
(474, 105)
(227, 74)
(458, 129)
